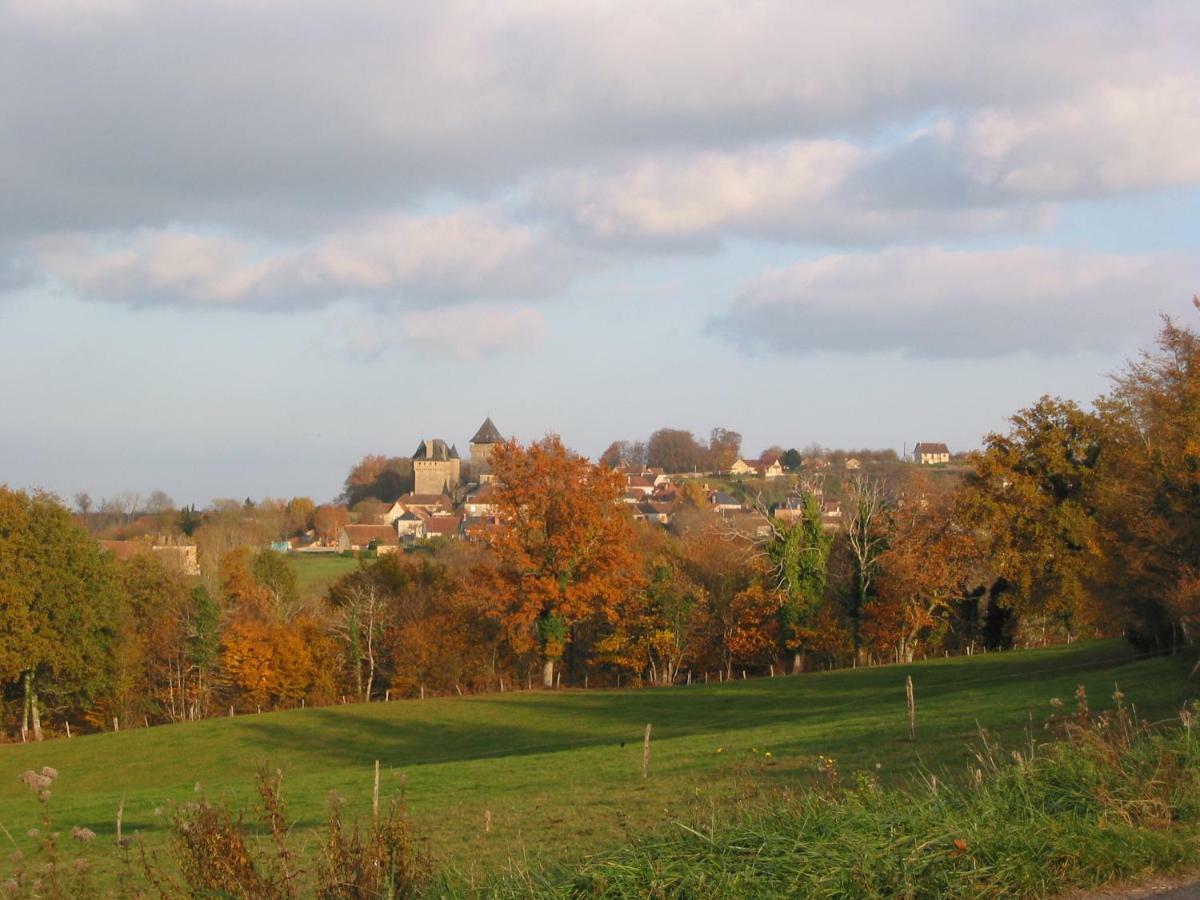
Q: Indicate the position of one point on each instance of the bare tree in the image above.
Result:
(83, 501)
(867, 505)
(359, 601)
(159, 502)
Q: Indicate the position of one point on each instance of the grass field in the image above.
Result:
(315, 573)
(560, 772)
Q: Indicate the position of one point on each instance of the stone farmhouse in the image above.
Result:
(381, 538)
(927, 454)
(179, 556)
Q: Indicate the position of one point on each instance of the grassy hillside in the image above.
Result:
(560, 772)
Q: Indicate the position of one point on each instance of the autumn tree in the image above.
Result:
(675, 450)
(659, 628)
(1029, 497)
(154, 639)
(724, 447)
(1147, 492)
(563, 552)
(329, 519)
(60, 608)
(300, 513)
(384, 478)
(275, 572)
(925, 569)
(737, 625)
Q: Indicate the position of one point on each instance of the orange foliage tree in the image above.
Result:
(659, 628)
(925, 569)
(563, 552)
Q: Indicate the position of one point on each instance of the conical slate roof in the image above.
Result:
(488, 433)
(435, 449)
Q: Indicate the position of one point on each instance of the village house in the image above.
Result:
(831, 514)
(481, 500)
(721, 502)
(770, 468)
(357, 538)
(853, 464)
(427, 503)
(652, 511)
(927, 454)
(444, 526)
(741, 467)
(410, 525)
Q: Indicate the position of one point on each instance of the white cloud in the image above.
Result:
(932, 302)
(1114, 138)
(457, 257)
(818, 191)
(467, 333)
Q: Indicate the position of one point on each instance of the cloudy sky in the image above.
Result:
(243, 243)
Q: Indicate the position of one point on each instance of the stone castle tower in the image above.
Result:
(487, 437)
(437, 468)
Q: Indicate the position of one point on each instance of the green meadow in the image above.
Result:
(316, 573)
(558, 774)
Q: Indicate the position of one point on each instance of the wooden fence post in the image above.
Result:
(387, 696)
(646, 753)
(912, 708)
(68, 729)
(116, 724)
(120, 815)
(457, 688)
(422, 692)
(231, 712)
(375, 793)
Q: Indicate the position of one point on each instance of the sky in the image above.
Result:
(242, 244)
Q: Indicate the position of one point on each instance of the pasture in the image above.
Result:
(558, 773)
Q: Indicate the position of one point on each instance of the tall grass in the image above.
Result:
(1109, 798)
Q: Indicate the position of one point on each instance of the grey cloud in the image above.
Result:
(931, 302)
(293, 118)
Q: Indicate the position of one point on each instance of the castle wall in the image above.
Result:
(433, 476)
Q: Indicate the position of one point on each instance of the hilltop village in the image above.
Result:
(452, 497)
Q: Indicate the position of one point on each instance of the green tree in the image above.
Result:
(60, 608)
(275, 572)
(798, 554)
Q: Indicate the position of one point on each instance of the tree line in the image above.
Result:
(1071, 523)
